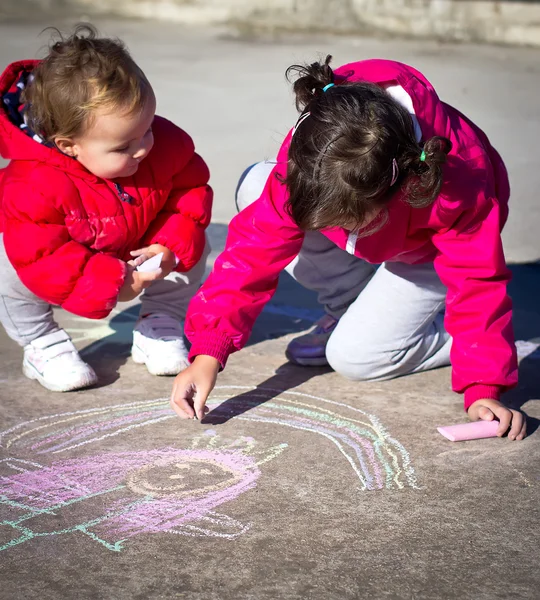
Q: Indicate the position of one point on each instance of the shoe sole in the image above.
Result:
(319, 361)
(140, 358)
(32, 373)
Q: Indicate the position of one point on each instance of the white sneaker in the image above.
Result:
(54, 361)
(158, 342)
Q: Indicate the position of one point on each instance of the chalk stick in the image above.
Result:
(470, 431)
(152, 264)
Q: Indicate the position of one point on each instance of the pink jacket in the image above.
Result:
(460, 232)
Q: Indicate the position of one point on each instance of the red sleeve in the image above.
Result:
(180, 225)
(261, 242)
(52, 265)
(471, 264)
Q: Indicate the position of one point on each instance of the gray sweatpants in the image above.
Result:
(391, 319)
(25, 317)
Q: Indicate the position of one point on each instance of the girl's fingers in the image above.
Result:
(139, 251)
(181, 402)
(485, 414)
(200, 402)
(523, 431)
(182, 408)
(517, 424)
(135, 262)
(505, 417)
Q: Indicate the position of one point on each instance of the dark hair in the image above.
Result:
(340, 165)
(82, 73)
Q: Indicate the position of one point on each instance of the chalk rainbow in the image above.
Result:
(377, 459)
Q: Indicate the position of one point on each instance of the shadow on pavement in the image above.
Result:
(108, 354)
(525, 291)
(286, 377)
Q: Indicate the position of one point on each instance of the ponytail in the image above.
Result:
(311, 79)
(424, 170)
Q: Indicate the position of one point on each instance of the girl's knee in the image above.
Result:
(361, 365)
(356, 366)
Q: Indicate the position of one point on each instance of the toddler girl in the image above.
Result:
(96, 185)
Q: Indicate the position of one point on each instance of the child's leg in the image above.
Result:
(337, 276)
(24, 316)
(49, 354)
(158, 337)
(395, 327)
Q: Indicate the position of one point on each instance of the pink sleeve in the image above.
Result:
(262, 241)
(471, 264)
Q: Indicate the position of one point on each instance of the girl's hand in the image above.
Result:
(192, 387)
(135, 282)
(487, 410)
(168, 262)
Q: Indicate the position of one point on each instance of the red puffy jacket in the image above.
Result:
(68, 232)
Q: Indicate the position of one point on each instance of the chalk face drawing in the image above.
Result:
(70, 473)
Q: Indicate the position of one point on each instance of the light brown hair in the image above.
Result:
(82, 73)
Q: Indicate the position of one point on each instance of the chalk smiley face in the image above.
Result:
(192, 476)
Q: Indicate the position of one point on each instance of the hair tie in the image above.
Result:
(327, 87)
(395, 172)
(423, 156)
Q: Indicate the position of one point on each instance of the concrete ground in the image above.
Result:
(299, 484)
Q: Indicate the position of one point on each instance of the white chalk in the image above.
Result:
(470, 431)
(152, 264)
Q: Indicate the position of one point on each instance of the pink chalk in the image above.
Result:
(470, 431)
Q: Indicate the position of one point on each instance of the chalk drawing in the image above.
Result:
(58, 472)
(114, 496)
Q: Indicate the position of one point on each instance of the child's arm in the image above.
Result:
(51, 264)
(262, 241)
(181, 224)
(478, 309)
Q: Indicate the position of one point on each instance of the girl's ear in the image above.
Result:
(66, 145)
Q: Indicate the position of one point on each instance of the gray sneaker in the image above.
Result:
(309, 350)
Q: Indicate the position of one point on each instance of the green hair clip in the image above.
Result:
(423, 156)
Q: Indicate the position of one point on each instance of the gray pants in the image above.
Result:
(391, 319)
(25, 317)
